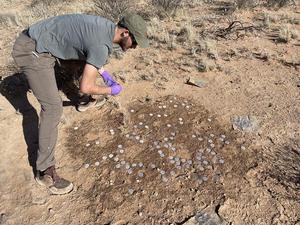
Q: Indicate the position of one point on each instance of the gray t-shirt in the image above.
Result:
(75, 36)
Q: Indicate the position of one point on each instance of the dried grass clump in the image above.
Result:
(166, 7)
(280, 3)
(157, 31)
(113, 9)
(42, 9)
(242, 4)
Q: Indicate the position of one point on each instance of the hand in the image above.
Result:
(116, 89)
(107, 78)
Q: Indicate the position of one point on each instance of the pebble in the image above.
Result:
(141, 174)
(147, 127)
(152, 166)
(164, 179)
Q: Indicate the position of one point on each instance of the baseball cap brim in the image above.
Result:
(141, 40)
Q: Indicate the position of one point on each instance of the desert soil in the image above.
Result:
(165, 151)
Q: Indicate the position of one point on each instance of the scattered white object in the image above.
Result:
(150, 114)
(209, 119)
(86, 165)
(127, 135)
(166, 139)
(104, 157)
(132, 110)
(110, 156)
(243, 148)
(165, 115)
(88, 144)
(193, 136)
(212, 135)
(223, 136)
(175, 106)
(97, 142)
(227, 142)
(137, 137)
(97, 163)
(141, 164)
(140, 123)
(164, 106)
(160, 106)
(158, 115)
(181, 123)
(120, 146)
(147, 127)
(76, 128)
(173, 133)
(130, 191)
(169, 125)
(118, 166)
(221, 161)
(141, 141)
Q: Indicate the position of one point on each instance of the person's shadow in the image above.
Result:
(15, 87)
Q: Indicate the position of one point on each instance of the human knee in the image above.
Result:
(53, 110)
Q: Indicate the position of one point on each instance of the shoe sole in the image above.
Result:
(95, 104)
(53, 190)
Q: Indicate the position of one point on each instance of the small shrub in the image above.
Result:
(241, 4)
(280, 3)
(112, 9)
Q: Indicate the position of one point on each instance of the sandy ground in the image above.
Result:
(206, 170)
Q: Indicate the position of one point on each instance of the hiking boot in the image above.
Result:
(55, 184)
(94, 103)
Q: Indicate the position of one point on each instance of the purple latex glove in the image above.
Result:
(116, 89)
(108, 80)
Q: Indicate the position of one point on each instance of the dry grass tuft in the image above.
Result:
(113, 9)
